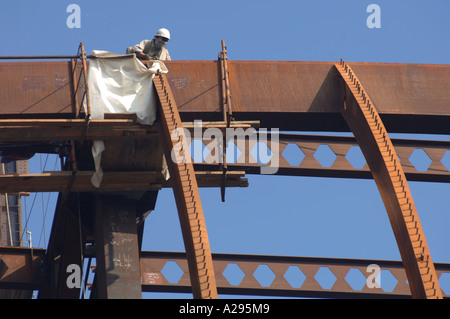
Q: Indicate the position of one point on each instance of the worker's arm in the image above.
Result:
(168, 56)
(141, 55)
(139, 48)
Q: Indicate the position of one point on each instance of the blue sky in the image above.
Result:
(295, 216)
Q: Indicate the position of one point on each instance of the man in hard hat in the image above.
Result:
(153, 49)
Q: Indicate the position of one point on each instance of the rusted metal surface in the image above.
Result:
(300, 96)
(22, 268)
(335, 156)
(281, 276)
(36, 88)
(133, 181)
(117, 250)
(307, 95)
(403, 88)
(22, 130)
(236, 274)
(65, 249)
(288, 95)
(362, 117)
(84, 72)
(226, 107)
(185, 188)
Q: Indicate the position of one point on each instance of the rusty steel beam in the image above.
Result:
(286, 276)
(362, 117)
(65, 129)
(300, 155)
(288, 95)
(292, 276)
(308, 95)
(117, 249)
(22, 268)
(64, 249)
(80, 181)
(37, 88)
(187, 196)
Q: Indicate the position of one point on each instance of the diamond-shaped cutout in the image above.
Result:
(294, 276)
(387, 280)
(356, 157)
(234, 274)
(232, 153)
(445, 160)
(356, 279)
(444, 282)
(262, 153)
(264, 275)
(325, 278)
(293, 154)
(198, 151)
(172, 272)
(325, 156)
(420, 159)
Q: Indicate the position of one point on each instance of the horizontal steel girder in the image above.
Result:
(280, 276)
(287, 95)
(80, 181)
(330, 156)
(238, 274)
(23, 268)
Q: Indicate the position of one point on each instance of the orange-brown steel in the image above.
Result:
(365, 122)
(186, 193)
(284, 94)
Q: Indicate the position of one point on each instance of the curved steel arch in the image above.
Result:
(363, 119)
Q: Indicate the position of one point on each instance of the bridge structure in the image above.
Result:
(45, 108)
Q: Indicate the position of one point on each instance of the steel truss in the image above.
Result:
(110, 227)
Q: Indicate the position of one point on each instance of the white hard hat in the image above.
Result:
(163, 33)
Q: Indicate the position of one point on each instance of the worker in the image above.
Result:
(153, 49)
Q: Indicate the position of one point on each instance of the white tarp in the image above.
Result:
(120, 84)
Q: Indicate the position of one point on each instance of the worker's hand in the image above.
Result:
(141, 55)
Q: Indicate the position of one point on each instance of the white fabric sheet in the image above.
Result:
(120, 84)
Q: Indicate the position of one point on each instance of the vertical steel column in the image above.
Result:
(186, 193)
(365, 123)
(117, 249)
(64, 249)
(85, 74)
(227, 110)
